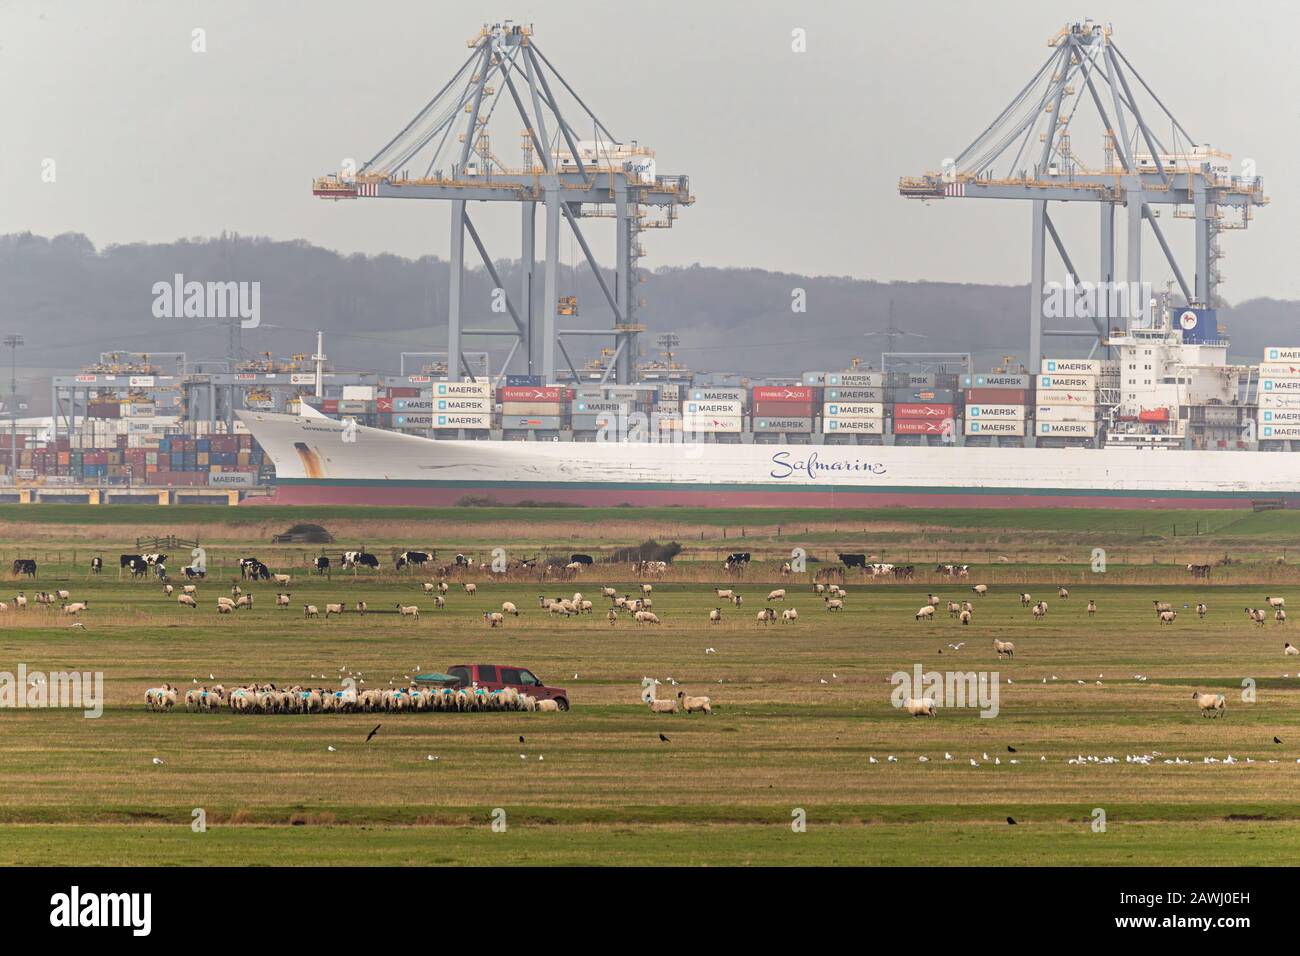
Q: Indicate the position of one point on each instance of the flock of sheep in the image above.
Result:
(47, 600)
(269, 699)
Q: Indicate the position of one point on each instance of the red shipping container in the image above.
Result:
(330, 406)
(786, 409)
(533, 393)
(384, 405)
(996, 396)
(918, 426)
(786, 393)
(402, 392)
(922, 410)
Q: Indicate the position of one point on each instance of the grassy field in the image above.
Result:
(801, 712)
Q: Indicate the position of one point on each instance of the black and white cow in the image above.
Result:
(127, 562)
(253, 570)
(25, 566)
(585, 559)
(138, 567)
(322, 564)
(364, 558)
(416, 559)
(96, 565)
(736, 560)
(193, 574)
(155, 559)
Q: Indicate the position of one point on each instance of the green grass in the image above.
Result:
(608, 790)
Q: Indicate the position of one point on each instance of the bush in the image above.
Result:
(650, 550)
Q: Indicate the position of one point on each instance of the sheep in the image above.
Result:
(335, 609)
(236, 590)
(443, 587)
(494, 618)
(1168, 617)
(439, 601)
(965, 617)
(612, 617)
(934, 600)
(168, 590)
(967, 606)
(789, 614)
(558, 608)
(980, 590)
(245, 600)
(647, 588)
(408, 610)
(1201, 610)
(819, 589)
(586, 607)
(766, 616)
(953, 608)
(3, 606)
(1255, 615)
(663, 706)
(225, 608)
(1025, 600)
(285, 579)
(1162, 606)
(548, 707)
(1040, 610)
(737, 599)
(920, 707)
(834, 604)
(724, 594)
(470, 587)
(1212, 705)
(20, 602)
(190, 588)
(186, 600)
(1006, 648)
(508, 608)
(1063, 593)
(1275, 602)
(309, 610)
(1092, 607)
(926, 613)
(1290, 650)
(225, 600)
(62, 595)
(160, 698)
(715, 616)
(777, 595)
(646, 617)
(282, 599)
(1280, 616)
(428, 587)
(693, 704)
(608, 593)
(80, 606)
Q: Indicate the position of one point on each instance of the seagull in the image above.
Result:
(540, 757)
(709, 650)
(946, 755)
(575, 676)
(331, 749)
(80, 625)
(973, 763)
(157, 761)
(523, 756)
(823, 680)
(430, 757)
(892, 759)
(373, 732)
(874, 760)
(986, 755)
(923, 759)
(835, 675)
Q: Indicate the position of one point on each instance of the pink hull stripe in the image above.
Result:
(433, 496)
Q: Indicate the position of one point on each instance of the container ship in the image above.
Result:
(1165, 423)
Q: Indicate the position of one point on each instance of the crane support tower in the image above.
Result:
(447, 151)
(1028, 152)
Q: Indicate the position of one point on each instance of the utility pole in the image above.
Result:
(319, 359)
(12, 342)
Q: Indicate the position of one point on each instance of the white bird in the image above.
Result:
(430, 757)
(80, 625)
(523, 756)
(331, 749)
(986, 755)
(835, 675)
(893, 759)
(874, 760)
(1013, 760)
(823, 680)
(923, 759)
(973, 763)
(575, 676)
(709, 650)
(946, 755)
(997, 761)
(540, 757)
(157, 761)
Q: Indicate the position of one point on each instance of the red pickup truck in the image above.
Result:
(499, 676)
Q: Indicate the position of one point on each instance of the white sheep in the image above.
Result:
(926, 613)
(1062, 593)
(443, 587)
(933, 599)
(190, 588)
(439, 601)
(766, 616)
(953, 608)
(790, 614)
(168, 590)
(647, 588)
(310, 610)
(494, 618)
(1004, 648)
(471, 587)
(1040, 610)
(695, 704)
(834, 604)
(428, 587)
(1280, 616)
(1092, 607)
(408, 610)
(1026, 600)
(920, 707)
(965, 616)
(186, 600)
(282, 578)
(725, 594)
(508, 608)
(333, 609)
(1290, 650)
(981, 589)
(777, 595)
(1201, 610)
(62, 595)
(548, 706)
(663, 706)
(80, 606)
(225, 608)
(1275, 602)
(282, 599)
(1168, 617)
(715, 616)
(1212, 705)
(646, 617)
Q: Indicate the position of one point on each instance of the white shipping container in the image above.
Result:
(1276, 371)
(859, 426)
(545, 409)
(1279, 432)
(855, 379)
(474, 420)
(1008, 427)
(465, 406)
(728, 408)
(462, 389)
(1280, 400)
(717, 395)
(1053, 366)
(1003, 412)
(1282, 353)
(1069, 381)
(711, 423)
(1065, 429)
(1279, 416)
(1279, 386)
(1065, 413)
(1064, 397)
(853, 410)
(358, 393)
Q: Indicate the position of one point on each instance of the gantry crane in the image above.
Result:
(451, 141)
(1027, 152)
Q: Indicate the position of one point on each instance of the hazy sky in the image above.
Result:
(794, 157)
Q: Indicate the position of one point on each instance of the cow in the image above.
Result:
(136, 564)
(25, 566)
(155, 559)
(254, 570)
(736, 561)
(352, 558)
(96, 565)
(853, 560)
(1199, 570)
(127, 562)
(905, 571)
(193, 574)
(415, 559)
(581, 559)
(322, 565)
